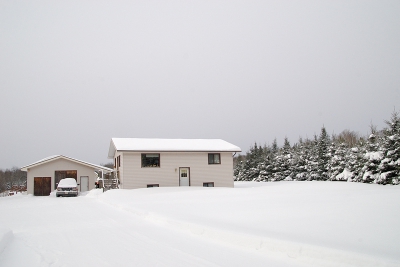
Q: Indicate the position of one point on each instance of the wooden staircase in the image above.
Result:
(110, 181)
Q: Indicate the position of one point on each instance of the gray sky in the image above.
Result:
(74, 74)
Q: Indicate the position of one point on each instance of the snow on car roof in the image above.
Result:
(155, 144)
(67, 182)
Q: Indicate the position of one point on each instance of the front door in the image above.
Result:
(184, 176)
(84, 183)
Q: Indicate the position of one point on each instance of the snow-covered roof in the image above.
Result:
(55, 157)
(170, 145)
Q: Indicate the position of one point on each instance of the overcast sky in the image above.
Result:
(74, 74)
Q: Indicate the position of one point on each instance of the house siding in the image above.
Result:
(48, 170)
(134, 176)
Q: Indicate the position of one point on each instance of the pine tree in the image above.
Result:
(274, 148)
(337, 162)
(323, 154)
(238, 171)
(312, 159)
(357, 161)
(265, 166)
(373, 157)
(287, 166)
(390, 164)
(300, 161)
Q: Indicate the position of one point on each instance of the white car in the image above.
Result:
(67, 187)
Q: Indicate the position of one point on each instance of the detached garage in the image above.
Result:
(44, 175)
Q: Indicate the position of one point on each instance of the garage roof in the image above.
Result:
(55, 157)
(170, 145)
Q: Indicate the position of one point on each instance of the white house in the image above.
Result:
(43, 175)
(140, 163)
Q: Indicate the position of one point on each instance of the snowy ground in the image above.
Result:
(253, 224)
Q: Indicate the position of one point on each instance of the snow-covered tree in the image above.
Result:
(337, 162)
(373, 157)
(300, 161)
(323, 154)
(312, 159)
(390, 164)
(346, 157)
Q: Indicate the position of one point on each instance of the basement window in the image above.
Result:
(153, 185)
(214, 158)
(210, 184)
(150, 160)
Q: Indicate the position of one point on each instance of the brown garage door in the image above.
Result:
(41, 186)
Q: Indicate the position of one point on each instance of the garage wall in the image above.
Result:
(48, 169)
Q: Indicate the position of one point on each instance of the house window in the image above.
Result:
(117, 162)
(153, 185)
(210, 184)
(214, 158)
(150, 160)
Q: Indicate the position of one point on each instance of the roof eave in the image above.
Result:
(192, 151)
(112, 149)
(25, 168)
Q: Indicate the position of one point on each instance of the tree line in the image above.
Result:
(12, 179)
(343, 157)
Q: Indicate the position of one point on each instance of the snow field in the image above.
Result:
(253, 224)
(6, 236)
(331, 240)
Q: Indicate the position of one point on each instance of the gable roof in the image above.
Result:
(55, 157)
(170, 145)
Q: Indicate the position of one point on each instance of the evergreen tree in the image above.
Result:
(278, 168)
(354, 162)
(287, 157)
(390, 164)
(274, 148)
(300, 161)
(323, 154)
(312, 159)
(337, 162)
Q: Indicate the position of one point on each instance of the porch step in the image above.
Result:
(110, 184)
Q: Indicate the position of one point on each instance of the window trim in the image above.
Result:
(144, 155)
(213, 158)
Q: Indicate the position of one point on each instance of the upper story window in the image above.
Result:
(214, 158)
(117, 162)
(150, 160)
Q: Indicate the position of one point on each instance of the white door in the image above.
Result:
(184, 179)
(84, 183)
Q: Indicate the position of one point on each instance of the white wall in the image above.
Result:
(134, 176)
